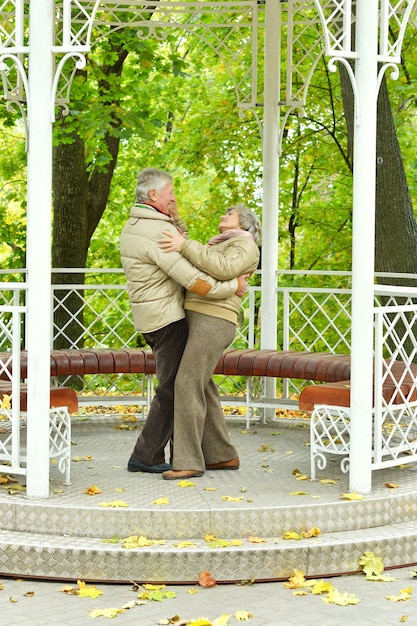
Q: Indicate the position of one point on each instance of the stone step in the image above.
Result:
(90, 559)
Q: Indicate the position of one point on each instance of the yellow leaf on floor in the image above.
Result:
(115, 504)
(243, 616)
(105, 612)
(161, 501)
(297, 581)
(352, 496)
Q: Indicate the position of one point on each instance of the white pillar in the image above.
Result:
(364, 179)
(270, 174)
(38, 330)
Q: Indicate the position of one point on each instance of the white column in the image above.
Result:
(39, 244)
(270, 174)
(364, 178)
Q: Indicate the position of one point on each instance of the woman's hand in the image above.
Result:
(172, 242)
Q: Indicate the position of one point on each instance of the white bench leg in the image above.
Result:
(60, 440)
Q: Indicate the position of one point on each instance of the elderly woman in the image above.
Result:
(201, 439)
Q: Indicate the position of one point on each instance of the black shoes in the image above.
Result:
(137, 466)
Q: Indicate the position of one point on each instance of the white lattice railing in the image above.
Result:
(394, 425)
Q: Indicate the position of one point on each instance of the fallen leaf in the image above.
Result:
(82, 458)
(93, 490)
(6, 402)
(210, 489)
(243, 616)
(298, 493)
(105, 612)
(328, 481)
(115, 504)
(88, 591)
(140, 541)
(391, 486)
(289, 534)
(352, 496)
(321, 586)
(297, 581)
(231, 499)
(341, 599)
(313, 532)
(185, 483)
(185, 544)
(256, 540)
(371, 564)
(403, 595)
(205, 580)
(161, 501)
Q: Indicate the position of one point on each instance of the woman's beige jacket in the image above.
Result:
(156, 279)
(233, 257)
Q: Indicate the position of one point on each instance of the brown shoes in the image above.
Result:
(233, 464)
(181, 474)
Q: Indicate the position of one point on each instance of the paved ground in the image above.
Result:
(37, 602)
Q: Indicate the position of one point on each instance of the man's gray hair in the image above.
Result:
(248, 220)
(150, 178)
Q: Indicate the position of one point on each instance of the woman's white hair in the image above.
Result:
(248, 220)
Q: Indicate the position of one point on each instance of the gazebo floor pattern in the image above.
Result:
(74, 535)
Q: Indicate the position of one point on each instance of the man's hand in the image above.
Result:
(242, 285)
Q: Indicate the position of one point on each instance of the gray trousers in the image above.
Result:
(200, 432)
(167, 345)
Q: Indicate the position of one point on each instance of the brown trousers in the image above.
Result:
(200, 432)
(167, 344)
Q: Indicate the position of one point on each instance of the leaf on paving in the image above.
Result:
(231, 499)
(185, 544)
(391, 485)
(352, 496)
(201, 621)
(1, 587)
(194, 590)
(297, 581)
(302, 477)
(161, 501)
(29, 594)
(13, 600)
(119, 489)
(289, 534)
(175, 619)
(413, 574)
(371, 564)
(151, 587)
(157, 595)
(111, 540)
(210, 489)
(256, 540)
(321, 586)
(289, 452)
(105, 612)
(299, 592)
(313, 532)
(328, 481)
(403, 618)
(82, 458)
(115, 504)
(243, 489)
(206, 580)
(93, 490)
(185, 483)
(341, 599)
(265, 447)
(299, 493)
(88, 591)
(243, 616)
(404, 594)
(140, 541)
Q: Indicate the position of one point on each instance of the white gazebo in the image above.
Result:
(41, 41)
